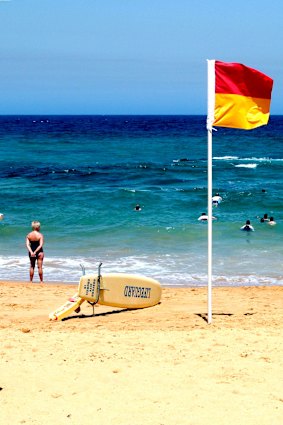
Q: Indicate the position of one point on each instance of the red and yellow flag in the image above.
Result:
(242, 96)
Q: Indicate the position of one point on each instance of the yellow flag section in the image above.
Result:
(242, 96)
(120, 290)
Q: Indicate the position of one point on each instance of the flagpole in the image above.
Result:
(209, 234)
(210, 120)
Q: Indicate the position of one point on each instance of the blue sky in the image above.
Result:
(130, 56)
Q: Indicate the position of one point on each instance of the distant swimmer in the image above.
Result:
(271, 221)
(1, 216)
(265, 218)
(216, 199)
(204, 217)
(248, 227)
(137, 207)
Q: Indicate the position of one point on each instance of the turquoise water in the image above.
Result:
(82, 176)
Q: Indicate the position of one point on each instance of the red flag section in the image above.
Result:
(242, 96)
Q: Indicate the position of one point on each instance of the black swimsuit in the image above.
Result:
(34, 245)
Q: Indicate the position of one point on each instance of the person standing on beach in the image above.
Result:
(34, 244)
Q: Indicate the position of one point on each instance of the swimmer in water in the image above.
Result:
(248, 227)
(271, 221)
(204, 217)
(265, 217)
(137, 207)
(216, 199)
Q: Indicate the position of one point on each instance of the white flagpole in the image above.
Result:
(209, 235)
(210, 119)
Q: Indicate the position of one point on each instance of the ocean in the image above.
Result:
(82, 176)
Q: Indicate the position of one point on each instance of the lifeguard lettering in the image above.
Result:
(137, 292)
(89, 287)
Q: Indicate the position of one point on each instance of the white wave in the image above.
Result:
(246, 165)
(226, 158)
(135, 190)
(169, 270)
(253, 158)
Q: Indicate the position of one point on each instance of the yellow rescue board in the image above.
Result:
(120, 290)
(67, 308)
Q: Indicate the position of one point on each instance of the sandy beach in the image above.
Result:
(162, 365)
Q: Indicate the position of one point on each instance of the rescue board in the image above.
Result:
(120, 290)
(67, 308)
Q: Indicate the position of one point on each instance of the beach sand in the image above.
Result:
(162, 365)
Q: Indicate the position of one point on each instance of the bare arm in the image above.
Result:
(41, 242)
(28, 246)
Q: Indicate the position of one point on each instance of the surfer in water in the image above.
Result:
(34, 244)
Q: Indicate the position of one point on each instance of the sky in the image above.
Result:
(130, 56)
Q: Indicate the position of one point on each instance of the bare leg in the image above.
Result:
(31, 269)
(31, 273)
(39, 265)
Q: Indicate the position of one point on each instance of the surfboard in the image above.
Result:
(120, 290)
(66, 309)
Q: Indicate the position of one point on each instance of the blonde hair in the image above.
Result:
(35, 225)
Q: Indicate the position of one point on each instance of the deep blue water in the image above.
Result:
(81, 177)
